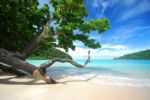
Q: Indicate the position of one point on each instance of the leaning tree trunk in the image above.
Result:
(8, 69)
(17, 61)
(7, 57)
(28, 50)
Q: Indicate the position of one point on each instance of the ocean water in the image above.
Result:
(113, 72)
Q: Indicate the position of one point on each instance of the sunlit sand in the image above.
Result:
(28, 88)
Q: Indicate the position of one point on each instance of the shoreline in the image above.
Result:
(120, 81)
(28, 88)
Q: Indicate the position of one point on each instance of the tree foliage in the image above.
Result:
(49, 53)
(137, 55)
(22, 20)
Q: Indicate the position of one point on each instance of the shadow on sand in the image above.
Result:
(60, 73)
(29, 80)
(14, 80)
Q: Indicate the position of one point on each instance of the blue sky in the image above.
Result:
(129, 32)
(129, 21)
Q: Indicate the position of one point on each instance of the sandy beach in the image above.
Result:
(27, 88)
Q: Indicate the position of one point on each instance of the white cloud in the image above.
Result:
(132, 9)
(106, 52)
(102, 5)
(140, 8)
(94, 3)
(128, 2)
(108, 46)
(96, 37)
(78, 43)
(123, 33)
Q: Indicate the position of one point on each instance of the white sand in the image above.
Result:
(30, 89)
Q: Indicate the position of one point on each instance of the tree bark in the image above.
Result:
(8, 69)
(52, 61)
(17, 61)
(7, 57)
(44, 35)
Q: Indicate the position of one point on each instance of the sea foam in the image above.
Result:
(111, 80)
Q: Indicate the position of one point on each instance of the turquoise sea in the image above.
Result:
(114, 72)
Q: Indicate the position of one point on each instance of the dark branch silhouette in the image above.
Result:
(52, 61)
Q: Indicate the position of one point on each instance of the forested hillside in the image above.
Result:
(49, 53)
(137, 55)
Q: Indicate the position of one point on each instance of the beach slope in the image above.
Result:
(12, 88)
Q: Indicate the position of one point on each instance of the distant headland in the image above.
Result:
(145, 55)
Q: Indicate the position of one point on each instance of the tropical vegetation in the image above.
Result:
(137, 55)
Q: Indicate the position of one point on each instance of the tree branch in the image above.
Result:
(52, 61)
(28, 50)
